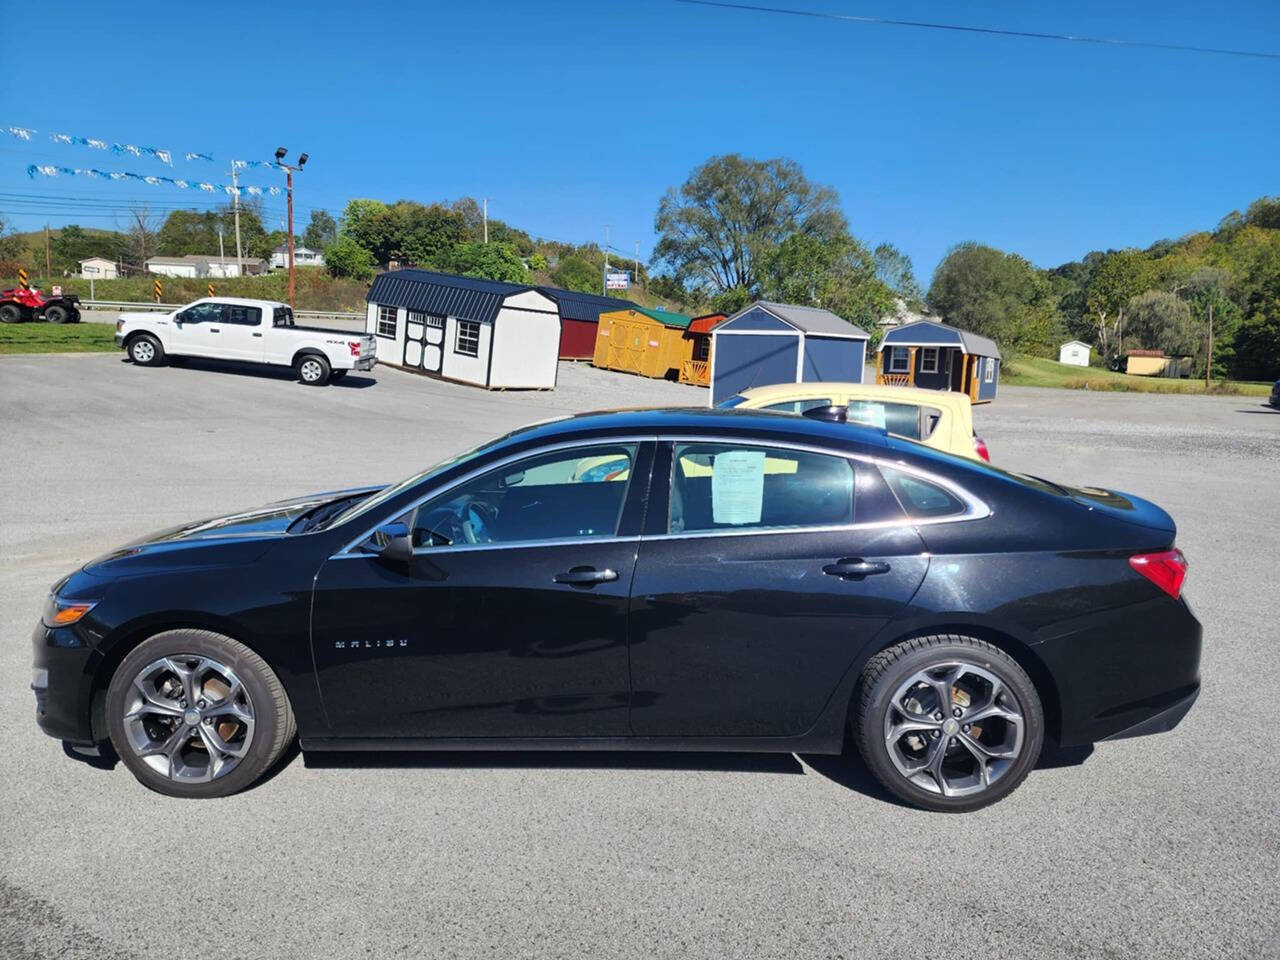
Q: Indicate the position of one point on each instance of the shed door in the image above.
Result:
(424, 342)
(627, 345)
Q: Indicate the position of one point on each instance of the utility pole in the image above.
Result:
(289, 169)
(636, 276)
(222, 256)
(48, 270)
(604, 280)
(1208, 364)
(486, 219)
(235, 205)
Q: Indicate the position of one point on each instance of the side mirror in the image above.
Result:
(392, 542)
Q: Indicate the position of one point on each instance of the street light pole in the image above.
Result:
(302, 161)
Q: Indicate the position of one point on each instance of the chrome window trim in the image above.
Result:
(480, 471)
(975, 509)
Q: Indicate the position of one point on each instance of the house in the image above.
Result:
(99, 268)
(302, 257)
(201, 265)
(482, 332)
(1154, 363)
(697, 369)
(651, 343)
(936, 356)
(766, 343)
(579, 319)
(1075, 352)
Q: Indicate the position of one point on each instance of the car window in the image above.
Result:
(921, 499)
(798, 406)
(907, 420)
(202, 313)
(241, 315)
(565, 495)
(282, 317)
(728, 486)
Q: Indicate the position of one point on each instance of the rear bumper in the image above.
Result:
(1162, 721)
(365, 363)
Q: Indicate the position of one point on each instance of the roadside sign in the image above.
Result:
(617, 280)
(57, 291)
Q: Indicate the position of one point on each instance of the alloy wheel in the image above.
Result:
(143, 351)
(311, 370)
(189, 718)
(954, 729)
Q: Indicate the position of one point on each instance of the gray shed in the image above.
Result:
(936, 356)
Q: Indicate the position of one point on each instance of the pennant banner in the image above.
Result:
(271, 164)
(133, 149)
(52, 170)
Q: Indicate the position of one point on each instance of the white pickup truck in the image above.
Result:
(250, 331)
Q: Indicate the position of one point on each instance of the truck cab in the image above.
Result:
(246, 331)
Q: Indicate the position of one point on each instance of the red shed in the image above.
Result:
(697, 369)
(579, 319)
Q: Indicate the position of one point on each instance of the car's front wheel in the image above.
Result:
(948, 723)
(195, 714)
(145, 350)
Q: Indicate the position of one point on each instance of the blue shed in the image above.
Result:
(938, 357)
(766, 343)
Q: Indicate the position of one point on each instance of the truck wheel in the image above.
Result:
(145, 350)
(337, 375)
(55, 313)
(11, 313)
(313, 370)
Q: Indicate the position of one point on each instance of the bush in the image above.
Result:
(346, 258)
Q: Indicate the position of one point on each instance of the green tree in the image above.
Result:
(492, 261)
(840, 275)
(10, 242)
(321, 230)
(575, 273)
(72, 244)
(346, 258)
(722, 225)
(537, 261)
(1120, 276)
(998, 295)
(894, 270)
(1215, 315)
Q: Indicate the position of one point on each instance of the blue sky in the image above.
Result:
(569, 115)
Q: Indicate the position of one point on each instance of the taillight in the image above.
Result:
(1166, 569)
(980, 449)
(354, 347)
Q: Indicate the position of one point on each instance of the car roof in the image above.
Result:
(694, 421)
(241, 301)
(819, 390)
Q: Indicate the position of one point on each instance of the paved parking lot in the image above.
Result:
(1161, 847)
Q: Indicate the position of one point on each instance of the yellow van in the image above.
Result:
(936, 418)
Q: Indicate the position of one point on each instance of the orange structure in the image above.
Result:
(651, 343)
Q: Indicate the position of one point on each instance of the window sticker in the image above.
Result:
(867, 413)
(737, 486)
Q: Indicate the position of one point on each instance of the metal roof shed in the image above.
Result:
(579, 318)
(482, 332)
(766, 343)
(939, 357)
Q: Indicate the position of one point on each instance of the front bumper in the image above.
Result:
(119, 338)
(62, 683)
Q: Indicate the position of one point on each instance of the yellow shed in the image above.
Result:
(648, 342)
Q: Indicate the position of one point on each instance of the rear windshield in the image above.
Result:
(283, 317)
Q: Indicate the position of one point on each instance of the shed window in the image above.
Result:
(387, 322)
(990, 370)
(468, 340)
(899, 360)
(929, 360)
(427, 319)
(702, 348)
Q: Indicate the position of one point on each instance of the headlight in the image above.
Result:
(119, 325)
(63, 613)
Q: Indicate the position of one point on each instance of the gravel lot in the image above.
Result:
(1161, 847)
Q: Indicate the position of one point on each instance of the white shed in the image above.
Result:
(99, 268)
(1075, 352)
(483, 332)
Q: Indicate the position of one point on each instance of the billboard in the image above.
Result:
(617, 280)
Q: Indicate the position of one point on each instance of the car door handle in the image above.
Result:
(214, 330)
(852, 568)
(585, 576)
(257, 334)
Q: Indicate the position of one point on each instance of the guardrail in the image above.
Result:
(125, 306)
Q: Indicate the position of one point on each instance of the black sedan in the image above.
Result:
(652, 580)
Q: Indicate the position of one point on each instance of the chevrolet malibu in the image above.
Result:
(639, 580)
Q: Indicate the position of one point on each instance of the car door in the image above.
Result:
(758, 581)
(510, 621)
(197, 330)
(240, 333)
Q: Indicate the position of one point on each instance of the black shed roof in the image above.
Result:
(443, 294)
(584, 306)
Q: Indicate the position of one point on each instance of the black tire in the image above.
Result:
(337, 375)
(56, 313)
(145, 350)
(885, 676)
(313, 369)
(12, 313)
(273, 722)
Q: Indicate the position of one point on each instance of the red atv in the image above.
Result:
(19, 305)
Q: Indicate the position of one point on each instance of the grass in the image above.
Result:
(56, 337)
(1038, 372)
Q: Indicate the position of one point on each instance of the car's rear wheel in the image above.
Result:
(145, 350)
(195, 714)
(313, 370)
(56, 314)
(948, 722)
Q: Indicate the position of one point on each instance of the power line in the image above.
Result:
(993, 31)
